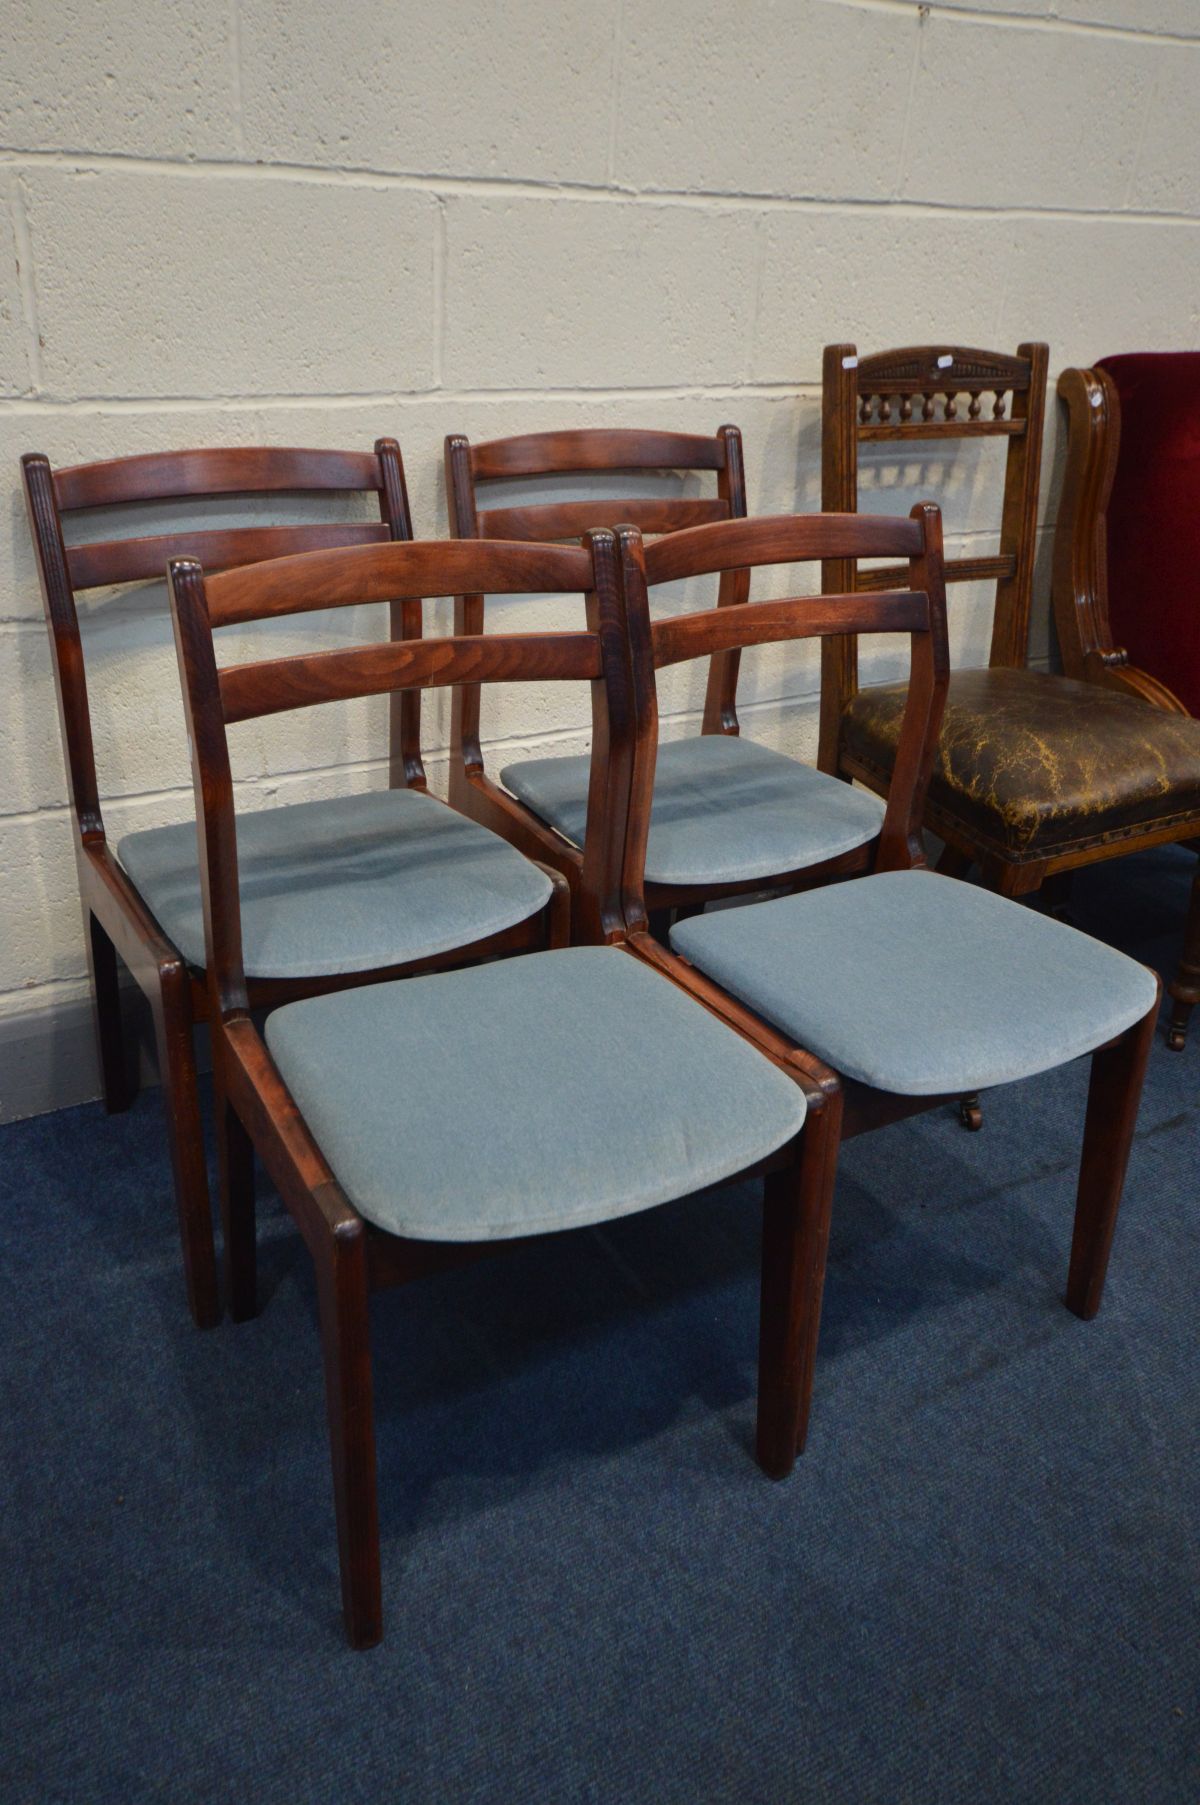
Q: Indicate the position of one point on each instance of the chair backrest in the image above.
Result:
(213, 474)
(1127, 541)
(918, 608)
(594, 451)
(933, 393)
(215, 699)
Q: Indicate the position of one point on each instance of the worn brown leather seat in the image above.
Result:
(1036, 766)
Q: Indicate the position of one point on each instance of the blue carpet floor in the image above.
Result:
(981, 1583)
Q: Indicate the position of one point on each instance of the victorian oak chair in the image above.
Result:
(1126, 557)
(408, 1126)
(912, 987)
(730, 816)
(399, 856)
(1036, 774)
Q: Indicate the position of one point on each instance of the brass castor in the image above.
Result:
(970, 1114)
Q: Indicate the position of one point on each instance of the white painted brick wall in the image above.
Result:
(243, 221)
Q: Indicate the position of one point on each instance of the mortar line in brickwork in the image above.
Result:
(614, 113)
(913, 71)
(1018, 21)
(91, 162)
(37, 406)
(438, 298)
(235, 74)
(23, 244)
(66, 989)
(1135, 162)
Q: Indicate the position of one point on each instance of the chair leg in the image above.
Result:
(116, 1075)
(797, 1206)
(1184, 988)
(970, 1111)
(1114, 1094)
(346, 1343)
(177, 1068)
(953, 863)
(235, 1157)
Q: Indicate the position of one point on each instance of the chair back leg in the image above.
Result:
(1114, 1093)
(1184, 987)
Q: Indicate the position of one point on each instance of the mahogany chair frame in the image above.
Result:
(592, 451)
(920, 609)
(1081, 615)
(118, 926)
(1080, 592)
(856, 408)
(255, 1112)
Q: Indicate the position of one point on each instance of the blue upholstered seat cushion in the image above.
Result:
(349, 884)
(724, 809)
(919, 984)
(534, 1093)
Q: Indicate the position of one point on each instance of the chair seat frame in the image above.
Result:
(119, 928)
(256, 1113)
(602, 451)
(1117, 1068)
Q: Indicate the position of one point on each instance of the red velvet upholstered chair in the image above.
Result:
(1127, 553)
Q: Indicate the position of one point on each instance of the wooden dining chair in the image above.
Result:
(141, 899)
(410, 1126)
(1127, 556)
(1036, 774)
(731, 815)
(912, 987)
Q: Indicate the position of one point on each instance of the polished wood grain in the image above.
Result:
(790, 539)
(277, 684)
(1081, 613)
(379, 573)
(873, 399)
(687, 636)
(255, 1113)
(118, 928)
(594, 449)
(113, 561)
(214, 471)
(469, 468)
(1080, 587)
(763, 543)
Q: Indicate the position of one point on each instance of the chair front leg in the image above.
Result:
(343, 1296)
(173, 1022)
(1184, 988)
(1114, 1094)
(797, 1207)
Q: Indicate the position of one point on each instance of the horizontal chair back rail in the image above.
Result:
(569, 519)
(108, 562)
(919, 611)
(599, 451)
(798, 617)
(275, 685)
(393, 572)
(781, 539)
(586, 448)
(213, 472)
